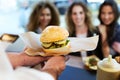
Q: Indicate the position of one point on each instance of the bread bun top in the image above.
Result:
(53, 33)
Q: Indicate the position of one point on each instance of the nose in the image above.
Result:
(78, 15)
(44, 17)
(106, 16)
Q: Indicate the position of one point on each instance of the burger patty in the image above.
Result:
(57, 44)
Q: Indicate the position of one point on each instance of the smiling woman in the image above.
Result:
(109, 28)
(43, 15)
(79, 24)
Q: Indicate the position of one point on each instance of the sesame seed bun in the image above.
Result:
(53, 33)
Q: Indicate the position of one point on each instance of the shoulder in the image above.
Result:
(118, 27)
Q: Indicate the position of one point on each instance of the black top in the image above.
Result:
(97, 51)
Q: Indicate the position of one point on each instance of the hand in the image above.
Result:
(105, 46)
(22, 59)
(103, 31)
(116, 46)
(55, 65)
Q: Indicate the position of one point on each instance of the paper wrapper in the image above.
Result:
(32, 41)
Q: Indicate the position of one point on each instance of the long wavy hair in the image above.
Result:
(111, 26)
(70, 23)
(34, 17)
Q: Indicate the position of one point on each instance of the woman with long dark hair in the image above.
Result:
(109, 28)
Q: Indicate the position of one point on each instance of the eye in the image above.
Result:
(48, 14)
(41, 14)
(74, 13)
(110, 13)
(81, 12)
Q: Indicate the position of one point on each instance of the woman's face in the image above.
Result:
(45, 17)
(107, 15)
(78, 15)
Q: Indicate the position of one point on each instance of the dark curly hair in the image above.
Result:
(34, 17)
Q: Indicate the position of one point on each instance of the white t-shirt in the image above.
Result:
(83, 53)
(24, 73)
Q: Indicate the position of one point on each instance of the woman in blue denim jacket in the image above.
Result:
(109, 28)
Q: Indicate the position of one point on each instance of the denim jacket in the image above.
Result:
(115, 38)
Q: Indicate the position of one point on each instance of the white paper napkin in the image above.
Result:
(83, 44)
(32, 40)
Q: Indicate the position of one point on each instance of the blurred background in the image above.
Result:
(14, 14)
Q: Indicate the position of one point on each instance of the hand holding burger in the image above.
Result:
(55, 41)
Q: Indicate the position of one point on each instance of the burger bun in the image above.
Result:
(53, 33)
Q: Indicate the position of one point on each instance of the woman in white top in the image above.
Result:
(79, 24)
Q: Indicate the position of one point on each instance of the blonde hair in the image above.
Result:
(69, 21)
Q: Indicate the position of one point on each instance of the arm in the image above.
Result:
(21, 59)
(116, 46)
(105, 46)
(55, 66)
(105, 49)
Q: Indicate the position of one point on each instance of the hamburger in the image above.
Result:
(117, 58)
(91, 62)
(55, 41)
